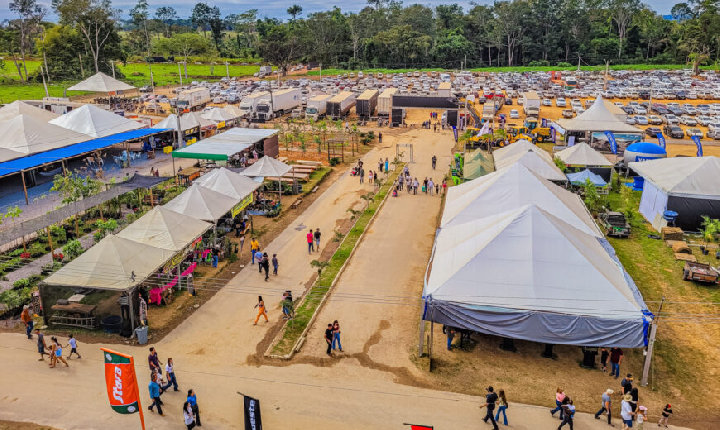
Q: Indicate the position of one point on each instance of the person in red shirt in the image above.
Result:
(309, 236)
(616, 356)
(27, 320)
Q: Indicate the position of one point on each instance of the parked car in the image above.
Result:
(654, 120)
(694, 131)
(630, 120)
(560, 102)
(713, 134)
(547, 102)
(567, 113)
(614, 224)
(673, 131)
(671, 119)
(514, 114)
(704, 120)
(688, 120)
(641, 120)
(652, 131)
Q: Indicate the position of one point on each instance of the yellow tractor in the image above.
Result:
(542, 134)
(516, 132)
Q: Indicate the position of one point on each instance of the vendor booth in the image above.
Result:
(202, 203)
(95, 122)
(539, 164)
(582, 157)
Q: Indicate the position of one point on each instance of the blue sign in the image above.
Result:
(455, 132)
(613, 143)
(696, 139)
(661, 140)
(553, 134)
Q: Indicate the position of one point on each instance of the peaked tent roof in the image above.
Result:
(234, 110)
(19, 107)
(537, 163)
(520, 147)
(581, 154)
(164, 228)
(9, 154)
(187, 122)
(28, 135)
(265, 167)
(597, 118)
(527, 259)
(509, 189)
(696, 177)
(229, 183)
(218, 114)
(110, 265)
(579, 178)
(101, 83)
(95, 122)
(202, 203)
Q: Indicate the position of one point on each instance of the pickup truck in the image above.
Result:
(700, 272)
(614, 224)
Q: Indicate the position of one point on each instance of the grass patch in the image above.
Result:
(316, 179)
(303, 313)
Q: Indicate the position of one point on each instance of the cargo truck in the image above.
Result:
(366, 103)
(249, 104)
(531, 103)
(317, 106)
(278, 103)
(194, 99)
(385, 102)
(339, 105)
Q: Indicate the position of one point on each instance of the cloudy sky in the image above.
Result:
(277, 8)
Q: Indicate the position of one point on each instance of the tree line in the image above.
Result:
(384, 34)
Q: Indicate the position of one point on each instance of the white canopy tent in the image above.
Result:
(28, 135)
(538, 164)
(19, 107)
(509, 189)
(218, 115)
(101, 83)
(234, 111)
(582, 154)
(228, 183)
(597, 118)
(202, 203)
(187, 122)
(266, 167)
(519, 147)
(95, 122)
(166, 229)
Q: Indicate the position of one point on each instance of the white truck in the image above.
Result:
(385, 102)
(194, 99)
(531, 103)
(248, 105)
(317, 106)
(278, 103)
(340, 105)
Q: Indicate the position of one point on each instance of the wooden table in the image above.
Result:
(74, 314)
(188, 175)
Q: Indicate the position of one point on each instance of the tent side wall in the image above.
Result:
(691, 210)
(603, 172)
(271, 147)
(653, 203)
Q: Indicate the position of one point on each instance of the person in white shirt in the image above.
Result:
(626, 412)
(188, 416)
(170, 373)
(72, 343)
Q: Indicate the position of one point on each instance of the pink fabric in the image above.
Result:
(205, 253)
(171, 284)
(156, 295)
(189, 270)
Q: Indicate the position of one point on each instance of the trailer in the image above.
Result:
(248, 105)
(366, 104)
(194, 99)
(339, 105)
(444, 89)
(278, 103)
(317, 106)
(385, 102)
(531, 103)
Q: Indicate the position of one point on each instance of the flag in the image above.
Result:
(661, 139)
(553, 134)
(418, 427)
(613, 143)
(455, 132)
(121, 383)
(253, 420)
(571, 141)
(485, 129)
(696, 139)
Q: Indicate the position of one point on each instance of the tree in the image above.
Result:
(30, 16)
(166, 15)
(185, 45)
(61, 45)
(201, 16)
(139, 15)
(681, 12)
(511, 25)
(281, 46)
(294, 11)
(622, 12)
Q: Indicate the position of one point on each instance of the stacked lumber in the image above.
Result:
(672, 233)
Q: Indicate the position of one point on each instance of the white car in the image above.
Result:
(547, 102)
(514, 114)
(704, 120)
(560, 102)
(688, 120)
(641, 120)
(671, 119)
(630, 120)
(639, 110)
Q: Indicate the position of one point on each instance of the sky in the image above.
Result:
(277, 8)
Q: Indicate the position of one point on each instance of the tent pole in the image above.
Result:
(152, 205)
(430, 346)
(421, 342)
(22, 175)
(651, 344)
(127, 153)
(52, 251)
(132, 311)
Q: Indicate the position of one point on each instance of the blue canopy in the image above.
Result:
(579, 178)
(646, 148)
(35, 160)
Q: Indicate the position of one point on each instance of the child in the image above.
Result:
(666, 413)
(641, 416)
(275, 264)
(604, 355)
(72, 343)
(56, 353)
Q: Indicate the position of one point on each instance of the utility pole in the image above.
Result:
(607, 70)
(112, 63)
(179, 73)
(152, 81)
(42, 73)
(578, 69)
(227, 70)
(651, 344)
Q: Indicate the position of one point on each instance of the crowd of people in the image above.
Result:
(159, 385)
(412, 184)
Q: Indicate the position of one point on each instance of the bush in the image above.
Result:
(564, 64)
(15, 298)
(37, 249)
(21, 283)
(73, 249)
(539, 63)
(334, 161)
(59, 234)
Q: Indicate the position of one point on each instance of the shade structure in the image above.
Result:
(597, 118)
(202, 203)
(101, 83)
(19, 107)
(95, 122)
(114, 263)
(164, 228)
(266, 167)
(211, 149)
(477, 163)
(519, 147)
(218, 114)
(536, 163)
(581, 154)
(580, 178)
(187, 122)
(9, 154)
(28, 135)
(228, 183)
(526, 274)
(512, 188)
(234, 111)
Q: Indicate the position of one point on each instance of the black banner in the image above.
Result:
(253, 421)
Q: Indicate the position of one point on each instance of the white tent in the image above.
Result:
(187, 122)
(19, 107)
(509, 189)
(202, 203)
(114, 263)
(520, 147)
(9, 154)
(164, 228)
(27, 135)
(582, 154)
(101, 83)
(266, 167)
(96, 122)
(536, 163)
(229, 183)
(234, 111)
(597, 119)
(689, 186)
(525, 274)
(218, 115)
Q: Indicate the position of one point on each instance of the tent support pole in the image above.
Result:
(22, 175)
(152, 205)
(651, 344)
(52, 251)
(127, 153)
(421, 343)
(430, 346)
(132, 310)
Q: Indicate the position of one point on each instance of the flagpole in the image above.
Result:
(137, 395)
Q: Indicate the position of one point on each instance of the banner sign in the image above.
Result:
(121, 383)
(245, 202)
(571, 141)
(696, 139)
(253, 420)
(455, 132)
(553, 134)
(661, 140)
(613, 143)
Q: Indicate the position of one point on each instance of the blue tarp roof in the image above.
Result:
(35, 160)
(579, 178)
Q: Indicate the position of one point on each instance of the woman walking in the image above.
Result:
(569, 411)
(386, 165)
(261, 310)
(192, 400)
(56, 353)
(503, 405)
(370, 177)
(336, 335)
(559, 397)
(626, 412)
(188, 415)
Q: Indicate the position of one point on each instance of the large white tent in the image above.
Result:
(266, 167)
(229, 183)
(519, 147)
(187, 122)
(164, 228)
(536, 163)
(27, 135)
(19, 107)
(526, 274)
(582, 154)
(689, 186)
(511, 188)
(202, 203)
(101, 83)
(93, 121)
(218, 115)
(597, 118)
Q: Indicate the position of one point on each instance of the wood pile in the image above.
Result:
(671, 233)
(679, 247)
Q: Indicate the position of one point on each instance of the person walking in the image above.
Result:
(450, 333)
(309, 238)
(286, 313)
(27, 320)
(329, 339)
(370, 177)
(170, 374)
(242, 243)
(605, 405)
(434, 161)
(258, 257)
(415, 184)
(261, 310)
(124, 302)
(289, 305)
(188, 415)
(444, 185)
(569, 411)
(41, 346)
(641, 416)
(336, 336)
(400, 181)
(559, 397)
(192, 399)
(254, 247)
(72, 343)
(265, 264)
(153, 361)
(666, 414)
(490, 399)
(380, 165)
(379, 137)
(408, 184)
(362, 175)
(154, 390)
(604, 356)
(626, 384)
(616, 356)
(275, 264)
(431, 186)
(425, 185)
(386, 165)
(317, 235)
(626, 412)
(502, 407)
(57, 353)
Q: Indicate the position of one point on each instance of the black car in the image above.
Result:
(680, 95)
(653, 131)
(628, 110)
(660, 110)
(508, 101)
(673, 131)
(645, 95)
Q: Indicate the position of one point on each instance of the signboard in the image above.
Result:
(699, 146)
(253, 420)
(121, 383)
(613, 143)
(661, 140)
(221, 124)
(242, 205)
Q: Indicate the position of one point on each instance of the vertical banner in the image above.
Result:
(613, 143)
(661, 140)
(553, 134)
(121, 384)
(253, 420)
(696, 139)
(571, 141)
(455, 132)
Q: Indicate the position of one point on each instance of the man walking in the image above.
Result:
(42, 347)
(328, 339)
(430, 186)
(265, 264)
(124, 302)
(434, 161)
(616, 356)
(27, 320)
(154, 390)
(606, 403)
(154, 361)
(362, 175)
(490, 399)
(317, 239)
(258, 257)
(275, 264)
(254, 247)
(310, 239)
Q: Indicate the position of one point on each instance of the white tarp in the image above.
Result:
(187, 122)
(28, 135)
(164, 228)
(113, 263)
(536, 163)
(250, 135)
(9, 154)
(229, 183)
(266, 167)
(101, 83)
(653, 203)
(218, 115)
(234, 111)
(597, 118)
(583, 155)
(19, 107)
(519, 147)
(696, 177)
(202, 203)
(509, 189)
(95, 122)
